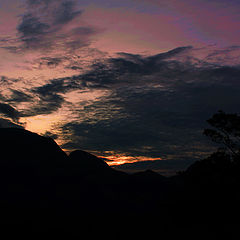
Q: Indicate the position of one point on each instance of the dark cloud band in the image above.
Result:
(9, 111)
(42, 28)
(156, 106)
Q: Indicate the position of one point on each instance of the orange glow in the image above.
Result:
(40, 124)
(80, 96)
(47, 122)
(119, 159)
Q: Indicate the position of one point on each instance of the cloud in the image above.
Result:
(66, 12)
(19, 96)
(48, 98)
(9, 111)
(44, 104)
(47, 26)
(32, 30)
(5, 123)
(62, 11)
(150, 106)
(50, 62)
(51, 135)
(38, 2)
(154, 102)
(33, 101)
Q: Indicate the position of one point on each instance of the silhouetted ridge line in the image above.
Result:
(44, 191)
(86, 160)
(21, 146)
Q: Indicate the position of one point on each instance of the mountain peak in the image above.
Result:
(87, 161)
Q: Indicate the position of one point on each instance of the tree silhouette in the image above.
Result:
(226, 132)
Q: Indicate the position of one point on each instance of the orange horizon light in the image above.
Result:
(118, 159)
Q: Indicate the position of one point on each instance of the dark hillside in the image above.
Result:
(45, 192)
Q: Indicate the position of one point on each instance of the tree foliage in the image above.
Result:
(226, 132)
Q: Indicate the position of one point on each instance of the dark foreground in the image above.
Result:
(45, 193)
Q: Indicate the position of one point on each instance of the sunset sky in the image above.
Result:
(132, 81)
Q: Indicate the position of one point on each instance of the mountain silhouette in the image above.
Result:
(26, 156)
(45, 191)
(149, 175)
(87, 162)
(19, 144)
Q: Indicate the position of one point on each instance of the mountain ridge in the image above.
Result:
(42, 192)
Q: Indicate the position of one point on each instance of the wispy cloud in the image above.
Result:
(157, 101)
(140, 106)
(6, 123)
(46, 26)
(9, 111)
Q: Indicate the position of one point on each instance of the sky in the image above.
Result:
(130, 81)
